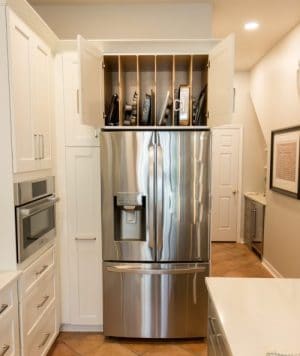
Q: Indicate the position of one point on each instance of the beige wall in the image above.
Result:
(254, 144)
(120, 21)
(275, 93)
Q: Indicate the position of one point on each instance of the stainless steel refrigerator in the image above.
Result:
(155, 232)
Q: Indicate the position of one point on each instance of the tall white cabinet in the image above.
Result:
(79, 180)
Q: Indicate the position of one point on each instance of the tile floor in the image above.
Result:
(228, 259)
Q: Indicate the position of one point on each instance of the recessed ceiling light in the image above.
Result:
(251, 26)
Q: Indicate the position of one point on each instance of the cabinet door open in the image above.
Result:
(220, 83)
(91, 93)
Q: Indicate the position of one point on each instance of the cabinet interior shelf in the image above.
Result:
(154, 76)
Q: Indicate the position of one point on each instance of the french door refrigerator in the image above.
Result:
(155, 232)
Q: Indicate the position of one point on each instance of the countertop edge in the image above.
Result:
(8, 277)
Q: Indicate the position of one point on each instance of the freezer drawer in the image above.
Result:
(155, 300)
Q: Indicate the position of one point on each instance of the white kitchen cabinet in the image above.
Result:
(217, 344)
(84, 237)
(30, 86)
(122, 74)
(76, 134)
(9, 321)
(38, 302)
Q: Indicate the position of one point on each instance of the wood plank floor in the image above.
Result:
(228, 260)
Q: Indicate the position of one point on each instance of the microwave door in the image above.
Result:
(127, 195)
(36, 226)
(182, 218)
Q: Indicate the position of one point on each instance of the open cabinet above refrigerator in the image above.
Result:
(170, 87)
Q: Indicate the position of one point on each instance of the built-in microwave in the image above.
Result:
(35, 215)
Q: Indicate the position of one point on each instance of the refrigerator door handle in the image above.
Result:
(158, 271)
(159, 196)
(151, 194)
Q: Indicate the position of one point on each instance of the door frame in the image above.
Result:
(240, 128)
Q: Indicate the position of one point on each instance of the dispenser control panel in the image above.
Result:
(129, 199)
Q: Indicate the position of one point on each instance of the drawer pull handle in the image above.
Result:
(2, 308)
(43, 269)
(211, 321)
(43, 343)
(4, 349)
(85, 238)
(43, 302)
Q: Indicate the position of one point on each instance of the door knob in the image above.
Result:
(234, 192)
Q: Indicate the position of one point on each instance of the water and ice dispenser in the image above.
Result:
(130, 217)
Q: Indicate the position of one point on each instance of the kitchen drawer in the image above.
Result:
(41, 337)
(9, 334)
(36, 271)
(8, 300)
(217, 344)
(36, 302)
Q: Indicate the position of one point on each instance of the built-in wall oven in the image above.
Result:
(35, 215)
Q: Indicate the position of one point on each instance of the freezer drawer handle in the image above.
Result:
(128, 269)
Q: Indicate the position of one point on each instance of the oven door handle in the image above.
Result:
(25, 212)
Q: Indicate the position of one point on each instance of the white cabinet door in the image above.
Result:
(76, 134)
(220, 83)
(91, 93)
(30, 86)
(225, 188)
(83, 207)
(41, 105)
(24, 138)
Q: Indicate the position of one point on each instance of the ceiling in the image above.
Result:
(276, 18)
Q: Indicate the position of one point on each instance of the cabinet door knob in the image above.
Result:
(234, 192)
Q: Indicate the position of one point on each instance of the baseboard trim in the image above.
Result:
(81, 328)
(271, 269)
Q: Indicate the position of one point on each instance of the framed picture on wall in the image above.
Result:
(285, 162)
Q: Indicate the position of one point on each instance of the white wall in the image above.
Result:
(124, 21)
(275, 93)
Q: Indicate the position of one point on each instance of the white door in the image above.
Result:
(220, 83)
(24, 139)
(76, 134)
(41, 101)
(225, 190)
(91, 93)
(83, 210)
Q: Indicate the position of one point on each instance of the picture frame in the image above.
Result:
(285, 161)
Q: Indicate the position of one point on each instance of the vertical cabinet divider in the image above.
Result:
(173, 90)
(138, 100)
(120, 91)
(155, 91)
(191, 89)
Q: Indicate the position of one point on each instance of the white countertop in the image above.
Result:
(258, 197)
(258, 315)
(7, 278)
